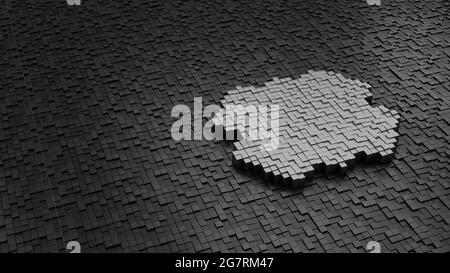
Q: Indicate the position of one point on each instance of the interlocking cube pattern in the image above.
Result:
(325, 119)
(86, 152)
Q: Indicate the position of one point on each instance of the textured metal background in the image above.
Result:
(85, 146)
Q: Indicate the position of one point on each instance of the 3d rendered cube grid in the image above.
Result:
(86, 152)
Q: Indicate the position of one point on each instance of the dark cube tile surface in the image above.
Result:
(86, 150)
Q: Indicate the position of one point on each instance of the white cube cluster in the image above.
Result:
(325, 120)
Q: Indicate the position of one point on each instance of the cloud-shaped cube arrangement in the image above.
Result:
(325, 122)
